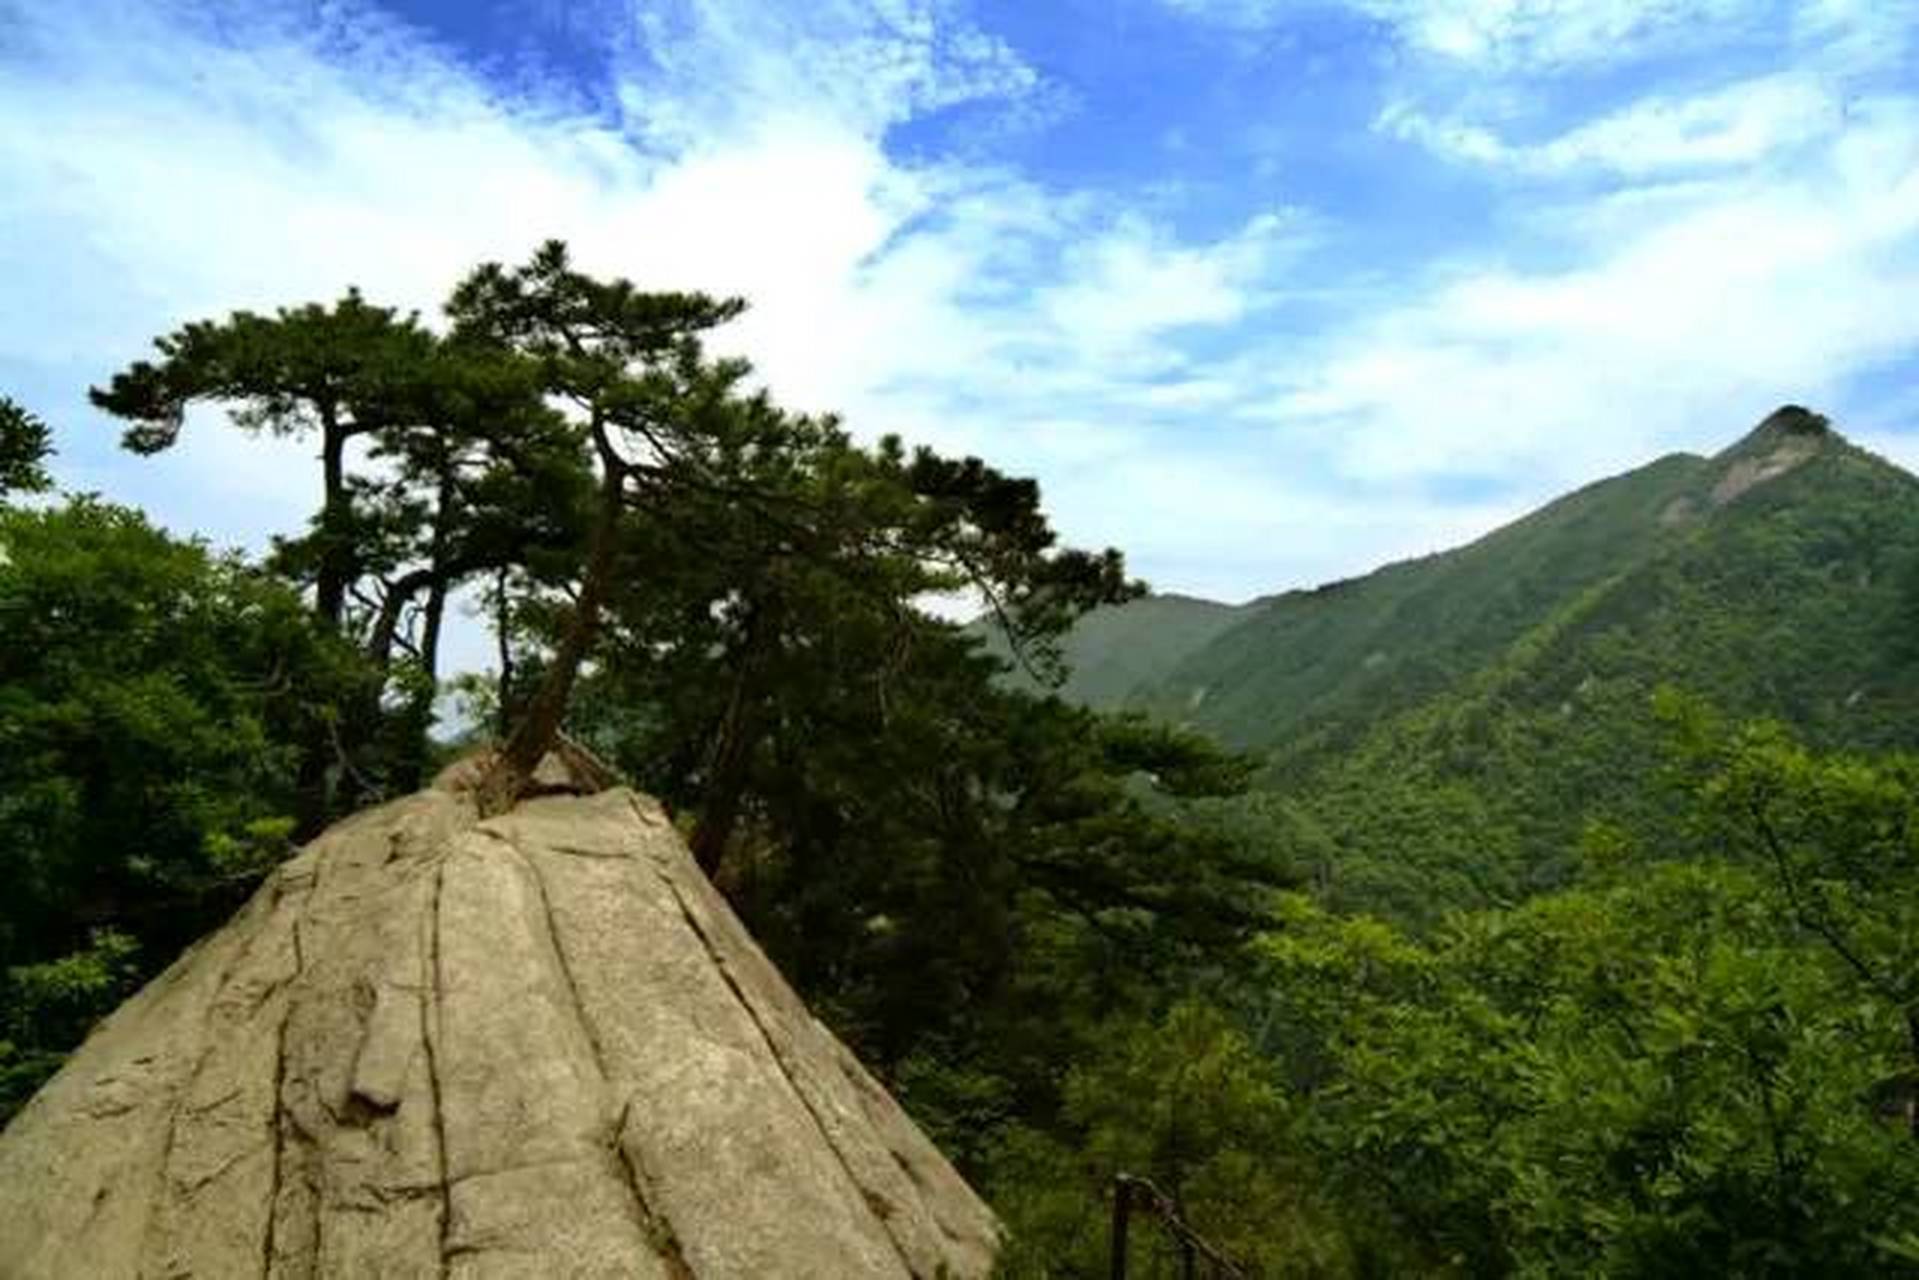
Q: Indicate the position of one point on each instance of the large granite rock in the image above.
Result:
(537, 1045)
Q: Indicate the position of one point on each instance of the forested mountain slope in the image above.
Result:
(1115, 651)
(1439, 733)
(1338, 654)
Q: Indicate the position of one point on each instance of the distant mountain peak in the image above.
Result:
(1796, 419)
(1789, 422)
(1789, 436)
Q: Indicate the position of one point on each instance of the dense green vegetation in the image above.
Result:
(1788, 602)
(1499, 955)
(151, 696)
(1678, 1068)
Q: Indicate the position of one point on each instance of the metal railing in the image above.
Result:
(1130, 1193)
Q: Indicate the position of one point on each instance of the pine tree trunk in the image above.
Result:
(410, 759)
(504, 687)
(725, 791)
(331, 580)
(539, 724)
(329, 591)
(410, 770)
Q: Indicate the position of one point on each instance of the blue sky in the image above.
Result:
(1264, 292)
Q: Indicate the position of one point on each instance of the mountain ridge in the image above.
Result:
(1790, 423)
(1440, 731)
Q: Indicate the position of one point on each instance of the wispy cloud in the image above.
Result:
(1541, 35)
(1724, 218)
(1739, 124)
(1719, 297)
(1514, 35)
(700, 69)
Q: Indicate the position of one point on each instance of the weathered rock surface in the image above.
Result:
(537, 1045)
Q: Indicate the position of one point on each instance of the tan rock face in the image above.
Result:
(539, 1045)
(1748, 473)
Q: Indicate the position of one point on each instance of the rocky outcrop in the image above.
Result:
(1749, 472)
(536, 1045)
(1789, 437)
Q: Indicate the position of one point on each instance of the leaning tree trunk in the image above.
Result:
(539, 724)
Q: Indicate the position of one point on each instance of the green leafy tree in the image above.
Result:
(338, 373)
(152, 696)
(48, 1007)
(24, 445)
(631, 368)
(1838, 837)
(724, 608)
(469, 471)
(669, 430)
(489, 480)
(1187, 1103)
(1656, 1077)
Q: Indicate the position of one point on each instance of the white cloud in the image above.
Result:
(1513, 35)
(1535, 38)
(703, 68)
(1246, 525)
(1743, 293)
(1541, 35)
(1742, 123)
(1713, 254)
(1132, 282)
(1858, 36)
